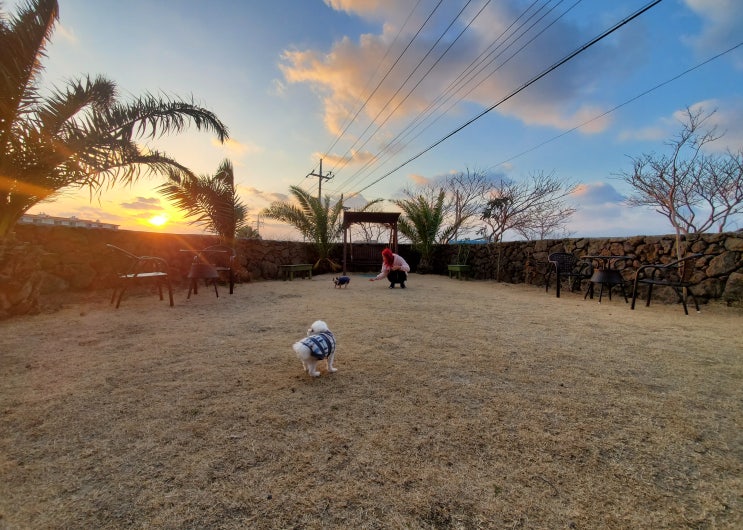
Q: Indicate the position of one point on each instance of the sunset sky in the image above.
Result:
(300, 80)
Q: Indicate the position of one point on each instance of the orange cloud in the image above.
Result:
(419, 180)
(350, 77)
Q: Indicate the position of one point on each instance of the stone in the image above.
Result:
(724, 263)
(733, 288)
(734, 244)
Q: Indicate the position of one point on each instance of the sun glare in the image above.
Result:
(158, 220)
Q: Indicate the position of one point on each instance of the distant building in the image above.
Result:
(49, 220)
(468, 241)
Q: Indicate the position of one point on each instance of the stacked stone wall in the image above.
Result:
(718, 275)
(40, 260)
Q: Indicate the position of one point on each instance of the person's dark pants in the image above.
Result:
(397, 277)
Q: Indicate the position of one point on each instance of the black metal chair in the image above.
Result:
(677, 274)
(565, 265)
(133, 269)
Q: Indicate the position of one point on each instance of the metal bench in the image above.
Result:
(458, 270)
(289, 270)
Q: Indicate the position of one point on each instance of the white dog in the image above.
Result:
(319, 345)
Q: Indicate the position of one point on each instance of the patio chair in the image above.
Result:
(135, 269)
(224, 259)
(565, 265)
(678, 275)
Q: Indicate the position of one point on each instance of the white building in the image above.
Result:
(50, 220)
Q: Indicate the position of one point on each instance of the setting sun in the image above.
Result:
(158, 220)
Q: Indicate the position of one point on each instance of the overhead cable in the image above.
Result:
(371, 94)
(410, 75)
(447, 95)
(617, 107)
(533, 80)
(425, 75)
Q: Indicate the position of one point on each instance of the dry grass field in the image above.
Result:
(456, 405)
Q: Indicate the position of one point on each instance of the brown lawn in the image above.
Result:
(456, 405)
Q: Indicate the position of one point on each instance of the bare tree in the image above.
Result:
(466, 192)
(694, 190)
(549, 221)
(529, 207)
(465, 195)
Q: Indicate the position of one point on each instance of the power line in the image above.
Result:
(625, 103)
(410, 43)
(423, 77)
(544, 73)
(477, 66)
(371, 94)
(420, 63)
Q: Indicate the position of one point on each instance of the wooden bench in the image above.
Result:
(458, 270)
(289, 270)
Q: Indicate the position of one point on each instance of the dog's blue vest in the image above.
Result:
(320, 345)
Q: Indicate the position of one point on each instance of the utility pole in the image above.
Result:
(329, 175)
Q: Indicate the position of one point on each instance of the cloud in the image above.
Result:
(252, 194)
(142, 203)
(419, 180)
(601, 212)
(726, 119)
(355, 202)
(234, 148)
(353, 157)
(65, 33)
(721, 23)
(371, 9)
(596, 194)
(615, 221)
(350, 77)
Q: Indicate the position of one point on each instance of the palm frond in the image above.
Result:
(421, 221)
(210, 201)
(22, 45)
(313, 217)
(65, 105)
(151, 117)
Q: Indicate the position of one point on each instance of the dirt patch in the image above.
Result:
(457, 404)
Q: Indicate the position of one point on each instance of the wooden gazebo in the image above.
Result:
(388, 219)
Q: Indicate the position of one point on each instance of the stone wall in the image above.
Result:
(42, 260)
(719, 272)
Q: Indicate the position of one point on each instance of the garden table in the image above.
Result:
(606, 274)
(201, 269)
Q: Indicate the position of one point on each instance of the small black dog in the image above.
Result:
(341, 281)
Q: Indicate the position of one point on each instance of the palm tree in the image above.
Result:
(422, 225)
(212, 200)
(248, 232)
(315, 219)
(79, 136)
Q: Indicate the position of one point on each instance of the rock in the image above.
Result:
(734, 289)
(724, 263)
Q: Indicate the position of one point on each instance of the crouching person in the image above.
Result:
(394, 268)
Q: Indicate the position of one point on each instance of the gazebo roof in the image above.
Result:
(385, 218)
